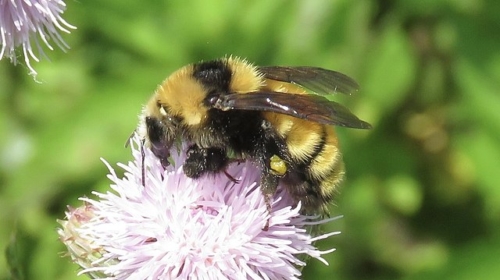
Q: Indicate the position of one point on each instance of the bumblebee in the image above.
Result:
(260, 113)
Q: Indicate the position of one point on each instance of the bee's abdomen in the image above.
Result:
(328, 162)
(317, 168)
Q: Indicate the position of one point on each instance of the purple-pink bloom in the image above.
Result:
(178, 227)
(23, 23)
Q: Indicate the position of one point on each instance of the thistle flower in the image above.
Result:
(177, 227)
(24, 22)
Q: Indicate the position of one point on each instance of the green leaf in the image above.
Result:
(390, 69)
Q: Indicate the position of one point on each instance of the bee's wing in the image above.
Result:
(305, 106)
(318, 80)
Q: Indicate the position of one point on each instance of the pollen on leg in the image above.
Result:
(277, 165)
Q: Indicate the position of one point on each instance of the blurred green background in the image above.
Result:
(422, 196)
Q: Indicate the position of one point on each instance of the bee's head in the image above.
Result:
(159, 130)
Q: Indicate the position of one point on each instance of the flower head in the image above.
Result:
(177, 227)
(24, 22)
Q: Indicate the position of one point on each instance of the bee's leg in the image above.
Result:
(231, 178)
(200, 161)
(273, 157)
(268, 186)
(143, 167)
